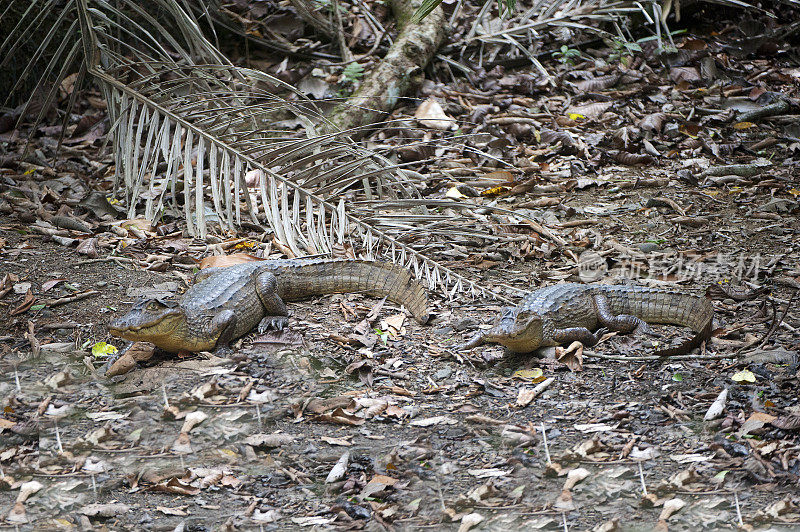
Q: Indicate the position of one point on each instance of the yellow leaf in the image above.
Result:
(247, 244)
(794, 192)
(744, 376)
(576, 116)
(769, 403)
(743, 125)
(494, 191)
(454, 193)
(103, 349)
(533, 375)
(29, 171)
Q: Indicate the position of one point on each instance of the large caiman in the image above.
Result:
(567, 312)
(227, 303)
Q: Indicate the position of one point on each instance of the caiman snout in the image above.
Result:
(146, 316)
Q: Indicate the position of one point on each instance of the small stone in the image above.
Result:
(101, 284)
(442, 374)
(647, 247)
(464, 323)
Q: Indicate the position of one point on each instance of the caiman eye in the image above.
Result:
(152, 306)
(525, 315)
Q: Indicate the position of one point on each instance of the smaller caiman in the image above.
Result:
(567, 312)
(227, 303)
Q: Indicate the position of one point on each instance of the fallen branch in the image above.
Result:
(70, 299)
(402, 68)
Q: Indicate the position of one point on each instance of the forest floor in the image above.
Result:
(321, 427)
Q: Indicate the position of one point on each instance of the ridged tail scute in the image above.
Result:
(687, 310)
(656, 305)
(692, 343)
(355, 276)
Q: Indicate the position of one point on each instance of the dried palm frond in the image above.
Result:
(228, 145)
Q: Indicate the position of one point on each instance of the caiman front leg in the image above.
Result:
(581, 334)
(223, 326)
(475, 341)
(276, 315)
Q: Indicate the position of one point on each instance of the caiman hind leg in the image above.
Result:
(276, 315)
(624, 323)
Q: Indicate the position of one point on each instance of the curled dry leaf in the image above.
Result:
(137, 352)
(88, 247)
(564, 502)
(469, 521)
(26, 304)
(105, 510)
(27, 489)
(179, 511)
(193, 419)
(670, 507)
(589, 111)
(339, 469)
(268, 441)
(572, 356)
(490, 472)
(430, 114)
(341, 417)
(786, 422)
(182, 444)
(436, 420)
(575, 476)
(376, 485)
(717, 407)
(175, 486)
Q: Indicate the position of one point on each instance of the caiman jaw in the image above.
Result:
(142, 323)
(521, 335)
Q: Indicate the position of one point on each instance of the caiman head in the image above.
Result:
(150, 320)
(518, 330)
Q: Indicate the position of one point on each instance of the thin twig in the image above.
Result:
(104, 259)
(776, 323)
(70, 299)
(645, 358)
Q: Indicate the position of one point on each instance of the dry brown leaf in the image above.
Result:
(180, 511)
(268, 441)
(105, 510)
(336, 441)
(341, 417)
(142, 224)
(786, 422)
(377, 484)
(221, 261)
(572, 356)
(26, 304)
(430, 114)
(175, 486)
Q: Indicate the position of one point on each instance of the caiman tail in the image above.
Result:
(367, 277)
(672, 307)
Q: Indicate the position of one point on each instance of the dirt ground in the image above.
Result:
(350, 421)
(431, 434)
